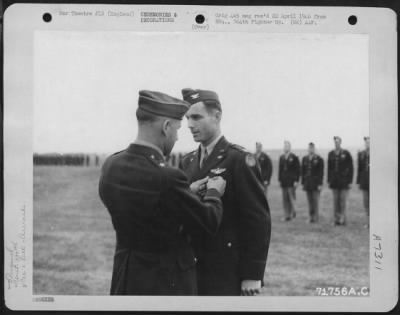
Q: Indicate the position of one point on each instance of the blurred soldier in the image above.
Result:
(289, 173)
(312, 173)
(233, 261)
(363, 175)
(340, 176)
(265, 165)
(152, 205)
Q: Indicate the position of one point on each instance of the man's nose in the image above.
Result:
(190, 124)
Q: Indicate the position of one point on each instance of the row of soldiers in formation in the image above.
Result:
(70, 159)
(311, 172)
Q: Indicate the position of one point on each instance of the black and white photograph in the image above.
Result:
(205, 154)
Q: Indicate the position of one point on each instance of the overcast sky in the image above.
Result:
(272, 87)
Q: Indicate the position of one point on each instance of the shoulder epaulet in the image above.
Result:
(117, 152)
(189, 154)
(238, 147)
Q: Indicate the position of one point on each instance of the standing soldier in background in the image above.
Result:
(265, 165)
(363, 175)
(312, 173)
(340, 176)
(289, 173)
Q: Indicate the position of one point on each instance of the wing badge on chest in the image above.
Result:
(218, 171)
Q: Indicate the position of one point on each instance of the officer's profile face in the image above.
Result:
(367, 143)
(311, 149)
(258, 147)
(338, 143)
(286, 147)
(171, 127)
(203, 123)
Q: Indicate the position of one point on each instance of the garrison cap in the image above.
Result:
(311, 144)
(366, 138)
(336, 138)
(194, 96)
(161, 104)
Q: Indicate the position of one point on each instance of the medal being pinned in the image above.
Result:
(218, 171)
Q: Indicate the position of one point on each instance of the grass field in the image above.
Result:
(74, 239)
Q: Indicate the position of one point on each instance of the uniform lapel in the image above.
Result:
(216, 157)
(193, 169)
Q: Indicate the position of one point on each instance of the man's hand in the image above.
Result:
(199, 187)
(295, 184)
(266, 183)
(319, 187)
(217, 183)
(251, 287)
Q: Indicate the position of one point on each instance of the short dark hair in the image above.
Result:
(146, 117)
(211, 105)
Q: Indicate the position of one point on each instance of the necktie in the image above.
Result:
(204, 158)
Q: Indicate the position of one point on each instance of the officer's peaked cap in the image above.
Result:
(161, 104)
(194, 96)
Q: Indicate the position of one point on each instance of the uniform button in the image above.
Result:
(229, 244)
(172, 284)
(195, 259)
(152, 156)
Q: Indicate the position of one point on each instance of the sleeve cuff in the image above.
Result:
(252, 270)
(212, 193)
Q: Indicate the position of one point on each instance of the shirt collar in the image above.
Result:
(211, 146)
(148, 144)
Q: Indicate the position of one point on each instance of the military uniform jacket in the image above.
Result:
(265, 164)
(312, 172)
(340, 169)
(239, 250)
(363, 170)
(289, 170)
(151, 205)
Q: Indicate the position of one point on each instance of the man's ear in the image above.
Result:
(218, 116)
(165, 126)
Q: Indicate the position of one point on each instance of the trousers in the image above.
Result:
(339, 205)
(313, 204)
(289, 198)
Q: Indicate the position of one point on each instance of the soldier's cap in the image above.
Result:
(335, 138)
(366, 138)
(161, 104)
(194, 96)
(311, 144)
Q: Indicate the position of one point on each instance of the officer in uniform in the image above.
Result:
(152, 205)
(233, 261)
(265, 165)
(289, 174)
(340, 176)
(363, 175)
(312, 173)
